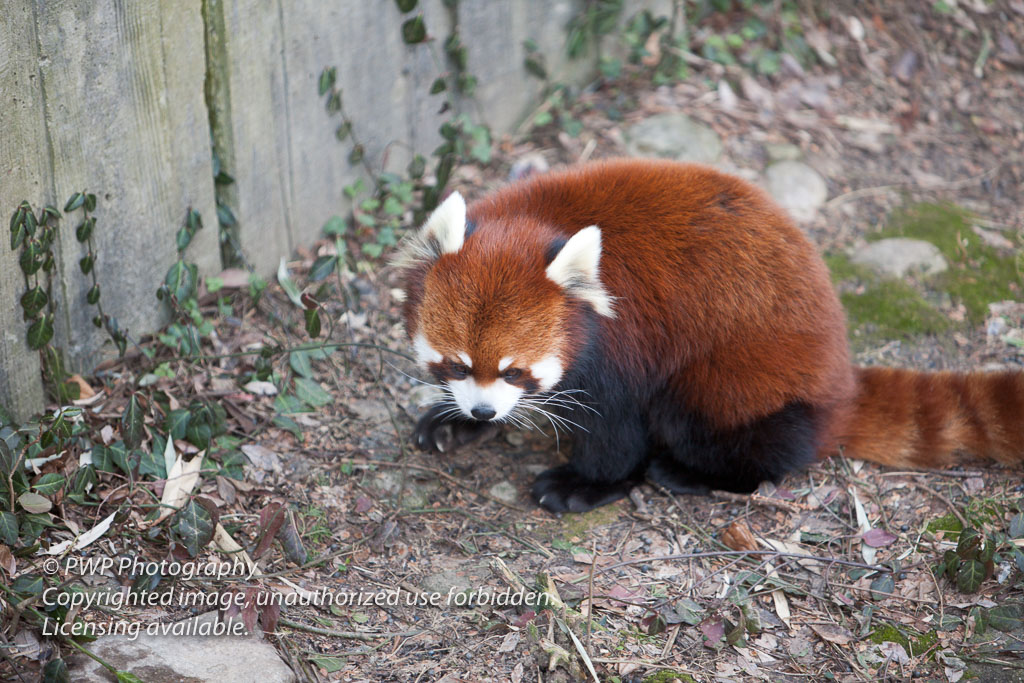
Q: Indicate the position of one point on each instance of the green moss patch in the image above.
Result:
(914, 643)
(667, 676)
(978, 273)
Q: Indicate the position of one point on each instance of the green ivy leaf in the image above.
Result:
(77, 199)
(133, 428)
(181, 280)
(183, 238)
(90, 202)
(49, 484)
(439, 85)
(406, 6)
(225, 216)
(102, 459)
(34, 503)
(968, 544)
(312, 322)
(30, 260)
(194, 526)
(535, 68)
(40, 332)
(1006, 618)
(84, 231)
(322, 267)
(18, 234)
(327, 78)
(56, 671)
(151, 461)
(8, 528)
(33, 301)
(28, 584)
(417, 167)
(127, 677)
(86, 263)
(969, 576)
(311, 393)
(335, 226)
(343, 130)
(301, 363)
(94, 295)
(414, 30)
(356, 155)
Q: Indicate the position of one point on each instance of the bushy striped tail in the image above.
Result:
(924, 419)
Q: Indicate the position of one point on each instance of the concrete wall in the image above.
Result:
(123, 98)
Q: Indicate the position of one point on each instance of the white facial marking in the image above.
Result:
(448, 224)
(464, 357)
(575, 269)
(547, 371)
(504, 363)
(425, 353)
(499, 395)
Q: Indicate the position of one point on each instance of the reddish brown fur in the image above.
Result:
(718, 298)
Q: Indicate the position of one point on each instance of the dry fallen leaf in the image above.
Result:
(738, 536)
(833, 634)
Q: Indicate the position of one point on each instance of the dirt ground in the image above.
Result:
(845, 586)
(663, 595)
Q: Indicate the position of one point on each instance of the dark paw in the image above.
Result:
(674, 478)
(561, 489)
(444, 434)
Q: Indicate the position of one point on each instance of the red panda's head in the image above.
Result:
(493, 307)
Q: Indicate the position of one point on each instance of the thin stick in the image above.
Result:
(734, 553)
(351, 635)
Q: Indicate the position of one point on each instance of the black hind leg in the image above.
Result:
(695, 458)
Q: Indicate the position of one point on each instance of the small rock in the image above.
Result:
(673, 136)
(782, 151)
(515, 438)
(797, 187)
(528, 165)
(416, 494)
(370, 410)
(505, 492)
(898, 256)
(227, 658)
(444, 583)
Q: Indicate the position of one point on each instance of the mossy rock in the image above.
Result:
(915, 643)
(668, 676)
(978, 273)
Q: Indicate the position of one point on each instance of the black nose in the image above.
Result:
(483, 412)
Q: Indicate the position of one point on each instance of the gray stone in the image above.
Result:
(782, 151)
(673, 136)
(898, 256)
(444, 582)
(797, 187)
(170, 658)
(505, 492)
(416, 493)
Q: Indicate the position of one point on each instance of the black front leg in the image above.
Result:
(446, 433)
(608, 460)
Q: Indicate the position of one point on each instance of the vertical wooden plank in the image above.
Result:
(251, 123)
(385, 91)
(24, 170)
(117, 129)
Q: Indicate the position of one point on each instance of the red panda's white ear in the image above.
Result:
(443, 233)
(576, 269)
(447, 225)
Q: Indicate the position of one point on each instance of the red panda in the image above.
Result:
(677, 322)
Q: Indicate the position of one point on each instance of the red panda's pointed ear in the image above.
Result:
(575, 268)
(443, 233)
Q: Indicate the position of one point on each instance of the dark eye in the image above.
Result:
(512, 374)
(459, 370)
